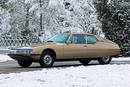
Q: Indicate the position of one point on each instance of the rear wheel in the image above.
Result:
(24, 63)
(84, 61)
(47, 59)
(105, 60)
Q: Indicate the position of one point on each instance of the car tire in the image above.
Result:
(47, 59)
(105, 60)
(85, 61)
(24, 63)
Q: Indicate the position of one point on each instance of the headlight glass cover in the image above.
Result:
(21, 51)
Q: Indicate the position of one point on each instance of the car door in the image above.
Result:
(93, 48)
(77, 47)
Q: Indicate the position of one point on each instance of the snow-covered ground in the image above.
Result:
(121, 59)
(82, 76)
(4, 58)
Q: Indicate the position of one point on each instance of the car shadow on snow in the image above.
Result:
(76, 64)
(67, 64)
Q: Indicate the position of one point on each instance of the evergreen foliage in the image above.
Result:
(115, 19)
(3, 5)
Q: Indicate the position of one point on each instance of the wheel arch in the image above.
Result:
(50, 50)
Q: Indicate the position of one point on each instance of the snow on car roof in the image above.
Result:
(73, 32)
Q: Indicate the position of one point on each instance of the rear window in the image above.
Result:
(104, 38)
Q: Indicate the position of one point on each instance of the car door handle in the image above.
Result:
(85, 45)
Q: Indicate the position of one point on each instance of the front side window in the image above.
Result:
(78, 39)
(59, 38)
(91, 39)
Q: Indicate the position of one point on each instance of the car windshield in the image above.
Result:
(59, 38)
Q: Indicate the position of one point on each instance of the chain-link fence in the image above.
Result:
(9, 42)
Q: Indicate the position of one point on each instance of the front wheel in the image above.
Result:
(85, 61)
(24, 63)
(47, 59)
(105, 60)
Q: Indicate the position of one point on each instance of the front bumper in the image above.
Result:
(23, 54)
(29, 57)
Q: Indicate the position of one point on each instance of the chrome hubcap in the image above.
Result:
(106, 58)
(47, 59)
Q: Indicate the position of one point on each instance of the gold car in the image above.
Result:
(67, 46)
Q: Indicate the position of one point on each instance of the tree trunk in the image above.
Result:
(40, 19)
(27, 18)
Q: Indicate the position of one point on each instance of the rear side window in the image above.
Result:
(91, 39)
(78, 39)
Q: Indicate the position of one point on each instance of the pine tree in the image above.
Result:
(114, 17)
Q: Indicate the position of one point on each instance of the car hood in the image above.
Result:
(37, 45)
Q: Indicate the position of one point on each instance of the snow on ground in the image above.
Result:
(81, 76)
(121, 59)
(4, 58)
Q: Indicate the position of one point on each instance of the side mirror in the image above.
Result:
(68, 42)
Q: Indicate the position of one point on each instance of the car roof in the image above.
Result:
(97, 36)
